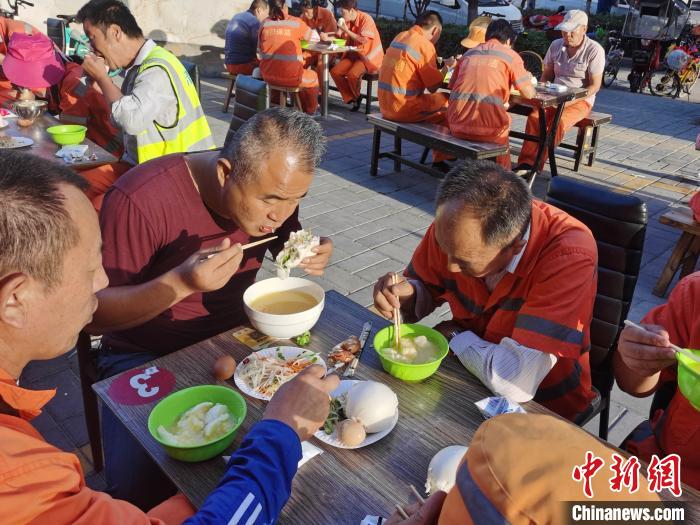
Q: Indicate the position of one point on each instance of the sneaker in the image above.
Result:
(356, 104)
(521, 170)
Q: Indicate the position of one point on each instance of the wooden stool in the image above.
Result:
(686, 251)
(370, 78)
(294, 91)
(231, 92)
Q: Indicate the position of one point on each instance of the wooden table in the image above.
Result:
(325, 51)
(338, 486)
(543, 100)
(685, 253)
(45, 147)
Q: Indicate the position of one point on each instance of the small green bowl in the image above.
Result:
(410, 371)
(169, 409)
(689, 378)
(304, 44)
(340, 42)
(67, 134)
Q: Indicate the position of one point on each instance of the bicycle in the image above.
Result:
(681, 74)
(533, 63)
(613, 59)
(14, 8)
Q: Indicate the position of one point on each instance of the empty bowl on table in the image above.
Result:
(410, 371)
(170, 408)
(67, 134)
(28, 111)
(689, 378)
(283, 326)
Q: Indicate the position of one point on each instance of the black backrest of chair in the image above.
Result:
(618, 223)
(251, 98)
(56, 31)
(193, 71)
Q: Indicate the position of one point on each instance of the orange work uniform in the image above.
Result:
(675, 429)
(242, 69)
(481, 85)
(323, 21)
(282, 63)
(7, 28)
(41, 484)
(408, 69)
(546, 303)
(347, 74)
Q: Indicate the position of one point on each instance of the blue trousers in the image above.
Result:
(130, 472)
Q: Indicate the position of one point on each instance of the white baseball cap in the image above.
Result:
(572, 20)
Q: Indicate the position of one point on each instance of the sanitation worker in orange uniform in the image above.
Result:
(646, 365)
(359, 30)
(409, 69)
(481, 85)
(281, 59)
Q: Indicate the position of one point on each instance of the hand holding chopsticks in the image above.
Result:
(424, 511)
(673, 347)
(208, 256)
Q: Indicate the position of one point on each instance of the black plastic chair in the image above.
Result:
(251, 98)
(56, 31)
(618, 223)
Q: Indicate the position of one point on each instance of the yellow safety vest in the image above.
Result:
(190, 132)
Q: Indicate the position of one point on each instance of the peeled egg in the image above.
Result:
(350, 432)
(224, 367)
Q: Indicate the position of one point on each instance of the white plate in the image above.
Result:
(16, 142)
(288, 352)
(333, 441)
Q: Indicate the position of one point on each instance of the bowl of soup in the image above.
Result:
(284, 308)
(689, 378)
(419, 356)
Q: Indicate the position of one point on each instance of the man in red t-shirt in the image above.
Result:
(158, 220)
(645, 364)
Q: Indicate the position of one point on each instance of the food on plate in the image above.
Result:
(351, 432)
(265, 374)
(284, 303)
(335, 415)
(442, 471)
(224, 367)
(299, 246)
(199, 425)
(345, 352)
(371, 403)
(413, 350)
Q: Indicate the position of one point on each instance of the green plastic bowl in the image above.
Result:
(169, 409)
(689, 378)
(340, 42)
(67, 134)
(409, 371)
(304, 44)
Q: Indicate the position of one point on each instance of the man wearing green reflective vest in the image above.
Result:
(157, 107)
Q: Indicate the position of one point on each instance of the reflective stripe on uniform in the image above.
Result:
(542, 326)
(476, 97)
(490, 52)
(405, 47)
(281, 57)
(399, 90)
(281, 23)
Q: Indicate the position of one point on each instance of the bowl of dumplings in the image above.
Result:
(197, 423)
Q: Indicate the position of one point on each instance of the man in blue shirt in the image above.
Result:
(242, 38)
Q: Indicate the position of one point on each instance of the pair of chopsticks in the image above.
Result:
(244, 247)
(420, 499)
(397, 317)
(675, 348)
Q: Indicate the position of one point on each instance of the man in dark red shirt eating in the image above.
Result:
(158, 221)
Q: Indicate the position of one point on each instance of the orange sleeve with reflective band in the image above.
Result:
(519, 76)
(557, 312)
(427, 68)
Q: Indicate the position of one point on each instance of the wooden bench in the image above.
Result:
(231, 92)
(686, 251)
(370, 78)
(432, 136)
(587, 137)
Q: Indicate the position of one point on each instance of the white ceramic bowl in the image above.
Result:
(283, 326)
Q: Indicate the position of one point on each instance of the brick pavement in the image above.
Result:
(376, 223)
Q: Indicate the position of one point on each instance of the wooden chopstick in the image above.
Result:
(402, 512)
(675, 348)
(244, 247)
(397, 318)
(417, 494)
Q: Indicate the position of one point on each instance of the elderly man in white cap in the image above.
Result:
(574, 61)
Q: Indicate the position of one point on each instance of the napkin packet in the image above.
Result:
(495, 406)
(71, 154)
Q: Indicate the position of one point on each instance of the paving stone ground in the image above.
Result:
(376, 222)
